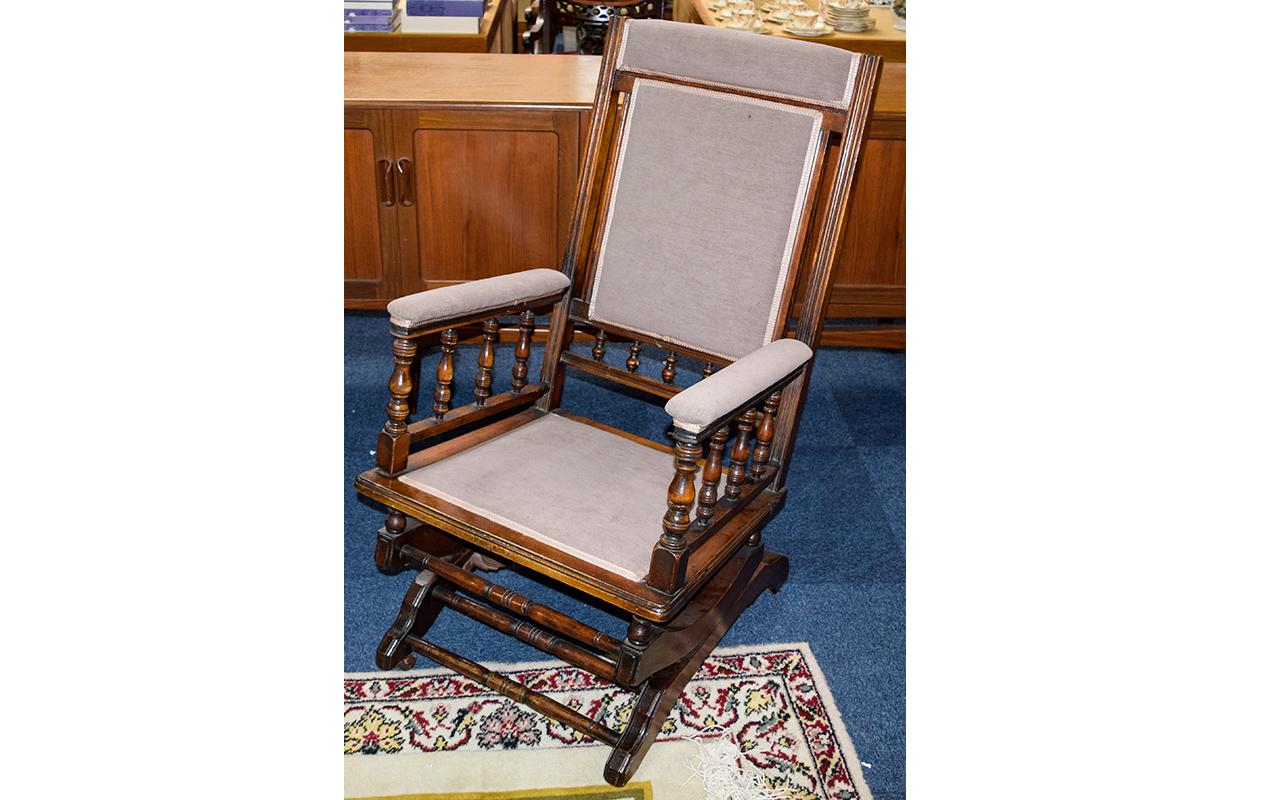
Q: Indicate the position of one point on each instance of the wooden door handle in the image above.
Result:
(406, 181)
(387, 195)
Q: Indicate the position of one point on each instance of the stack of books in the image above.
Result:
(442, 16)
(371, 16)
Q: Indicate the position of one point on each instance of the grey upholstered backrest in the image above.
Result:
(784, 67)
(704, 215)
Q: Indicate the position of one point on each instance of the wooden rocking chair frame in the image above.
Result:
(708, 564)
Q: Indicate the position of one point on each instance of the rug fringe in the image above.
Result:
(717, 767)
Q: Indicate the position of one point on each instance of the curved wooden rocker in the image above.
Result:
(681, 241)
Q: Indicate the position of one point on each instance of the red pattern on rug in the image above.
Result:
(767, 700)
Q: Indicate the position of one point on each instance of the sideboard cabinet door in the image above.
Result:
(370, 272)
(493, 191)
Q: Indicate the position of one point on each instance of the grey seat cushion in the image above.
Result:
(585, 491)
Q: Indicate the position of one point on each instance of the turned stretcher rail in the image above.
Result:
(511, 601)
(526, 632)
(520, 693)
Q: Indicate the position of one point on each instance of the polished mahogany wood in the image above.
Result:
(711, 471)
(520, 370)
(708, 563)
(518, 692)
(515, 602)
(444, 372)
(363, 247)
(370, 269)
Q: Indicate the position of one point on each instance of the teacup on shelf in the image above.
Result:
(899, 11)
(806, 19)
(744, 18)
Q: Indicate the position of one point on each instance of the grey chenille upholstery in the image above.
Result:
(711, 398)
(810, 71)
(590, 493)
(699, 237)
(475, 297)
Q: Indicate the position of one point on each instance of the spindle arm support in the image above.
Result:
(709, 404)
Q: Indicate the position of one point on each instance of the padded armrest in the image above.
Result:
(475, 297)
(711, 399)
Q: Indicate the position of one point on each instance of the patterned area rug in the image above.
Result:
(431, 733)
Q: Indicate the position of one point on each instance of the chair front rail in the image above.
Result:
(708, 548)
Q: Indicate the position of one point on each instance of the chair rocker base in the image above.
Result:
(655, 660)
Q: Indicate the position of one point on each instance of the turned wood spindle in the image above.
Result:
(597, 352)
(669, 368)
(484, 377)
(386, 554)
(401, 386)
(520, 370)
(633, 360)
(680, 497)
(444, 373)
(740, 454)
(711, 472)
(640, 632)
(764, 436)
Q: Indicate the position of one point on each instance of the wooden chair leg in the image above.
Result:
(660, 693)
(418, 610)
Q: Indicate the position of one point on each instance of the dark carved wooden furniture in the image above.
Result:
(754, 141)
(547, 18)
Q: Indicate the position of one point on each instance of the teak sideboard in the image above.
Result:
(460, 166)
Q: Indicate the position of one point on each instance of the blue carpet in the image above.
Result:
(843, 529)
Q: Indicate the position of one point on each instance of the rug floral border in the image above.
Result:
(768, 699)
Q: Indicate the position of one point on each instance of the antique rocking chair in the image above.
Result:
(710, 206)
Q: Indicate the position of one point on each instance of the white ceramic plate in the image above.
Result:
(761, 28)
(823, 31)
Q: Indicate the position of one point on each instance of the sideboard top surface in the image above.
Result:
(375, 79)
(388, 79)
